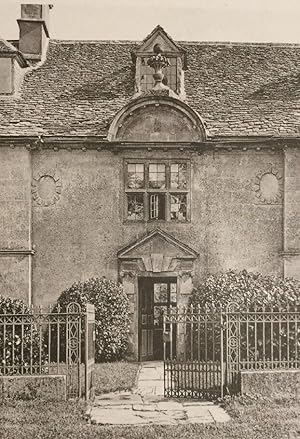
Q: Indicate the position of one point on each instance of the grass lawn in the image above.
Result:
(110, 377)
(250, 419)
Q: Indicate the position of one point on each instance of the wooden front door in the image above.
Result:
(156, 295)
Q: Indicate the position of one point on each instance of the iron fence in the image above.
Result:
(213, 345)
(50, 342)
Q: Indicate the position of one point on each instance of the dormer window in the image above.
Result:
(11, 63)
(170, 74)
(173, 73)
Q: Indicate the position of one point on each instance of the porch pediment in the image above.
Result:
(158, 252)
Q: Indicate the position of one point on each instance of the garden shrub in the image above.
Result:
(111, 314)
(253, 291)
(246, 289)
(17, 348)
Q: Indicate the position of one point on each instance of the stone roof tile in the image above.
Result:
(238, 89)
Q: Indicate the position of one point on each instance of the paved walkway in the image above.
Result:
(146, 404)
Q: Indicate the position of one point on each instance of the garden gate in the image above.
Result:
(193, 353)
(205, 349)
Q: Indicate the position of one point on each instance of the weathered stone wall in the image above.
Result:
(15, 180)
(236, 227)
(75, 200)
(78, 232)
(78, 215)
(271, 383)
(47, 388)
(292, 213)
(15, 221)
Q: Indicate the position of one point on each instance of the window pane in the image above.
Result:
(173, 292)
(178, 207)
(170, 74)
(157, 176)
(159, 311)
(135, 207)
(179, 176)
(135, 176)
(156, 206)
(160, 292)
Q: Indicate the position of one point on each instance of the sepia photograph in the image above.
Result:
(150, 219)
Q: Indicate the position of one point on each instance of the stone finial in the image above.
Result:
(158, 62)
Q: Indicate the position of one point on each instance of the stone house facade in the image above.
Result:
(153, 163)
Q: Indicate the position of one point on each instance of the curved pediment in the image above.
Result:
(157, 119)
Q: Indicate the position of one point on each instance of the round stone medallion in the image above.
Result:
(46, 188)
(268, 186)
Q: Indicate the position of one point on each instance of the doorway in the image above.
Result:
(156, 295)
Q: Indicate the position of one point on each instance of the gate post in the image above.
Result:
(73, 344)
(89, 348)
(222, 351)
(232, 346)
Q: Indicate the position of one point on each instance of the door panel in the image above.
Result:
(150, 342)
(144, 334)
(145, 320)
(156, 295)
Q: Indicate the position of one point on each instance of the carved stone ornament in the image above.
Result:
(158, 62)
(185, 275)
(46, 188)
(268, 186)
(129, 274)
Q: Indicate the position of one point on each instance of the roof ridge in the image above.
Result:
(194, 43)
(240, 43)
(57, 41)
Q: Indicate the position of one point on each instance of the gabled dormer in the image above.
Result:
(11, 63)
(173, 73)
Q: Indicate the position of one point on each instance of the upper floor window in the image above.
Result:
(157, 190)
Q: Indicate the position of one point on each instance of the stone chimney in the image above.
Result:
(34, 31)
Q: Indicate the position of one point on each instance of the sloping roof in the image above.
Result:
(6, 47)
(238, 89)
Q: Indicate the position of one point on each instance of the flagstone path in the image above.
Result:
(146, 404)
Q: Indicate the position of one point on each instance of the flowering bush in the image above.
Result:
(246, 289)
(19, 343)
(111, 314)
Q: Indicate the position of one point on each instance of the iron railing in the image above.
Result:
(213, 345)
(50, 342)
